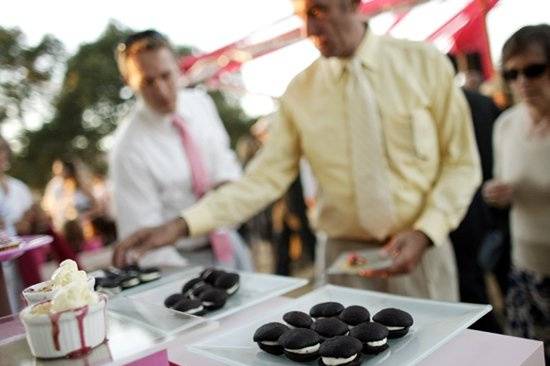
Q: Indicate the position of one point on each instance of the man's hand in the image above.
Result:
(497, 193)
(144, 240)
(407, 249)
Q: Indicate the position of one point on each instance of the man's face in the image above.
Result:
(329, 24)
(154, 75)
(534, 89)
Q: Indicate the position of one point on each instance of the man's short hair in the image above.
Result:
(135, 43)
(526, 37)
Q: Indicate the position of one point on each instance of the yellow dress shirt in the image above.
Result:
(428, 137)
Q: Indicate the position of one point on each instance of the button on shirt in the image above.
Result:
(149, 170)
(427, 131)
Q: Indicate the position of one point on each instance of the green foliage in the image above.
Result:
(24, 72)
(87, 109)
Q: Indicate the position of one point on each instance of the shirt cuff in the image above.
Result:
(198, 219)
(434, 225)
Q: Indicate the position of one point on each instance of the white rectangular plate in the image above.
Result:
(254, 288)
(434, 324)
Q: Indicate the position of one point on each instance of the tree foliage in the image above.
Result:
(87, 110)
(25, 73)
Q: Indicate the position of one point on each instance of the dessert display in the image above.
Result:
(71, 323)
(65, 274)
(338, 335)
(6, 242)
(211, 289)
(397, 321)
(112, 280)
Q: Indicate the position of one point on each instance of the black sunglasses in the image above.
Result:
(530, 72)
(133, 38)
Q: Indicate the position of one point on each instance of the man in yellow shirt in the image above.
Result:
(389, 139)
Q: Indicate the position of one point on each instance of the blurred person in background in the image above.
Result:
(20, 215)
(170, 150)
(70, 204)
(522, 180)
(478, 223)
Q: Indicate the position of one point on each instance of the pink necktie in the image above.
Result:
(219, 239)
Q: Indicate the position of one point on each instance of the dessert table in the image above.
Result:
(470, 347)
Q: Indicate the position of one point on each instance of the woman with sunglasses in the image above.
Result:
(522, 180)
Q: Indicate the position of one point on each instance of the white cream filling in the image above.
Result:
(378, 343)
(332, 361)
(149, 276)
(395, 328)
(130, 283)
(270, 343)
(305, 350)
(195, 310)
(232, 289)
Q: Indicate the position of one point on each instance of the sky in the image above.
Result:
(211, 24)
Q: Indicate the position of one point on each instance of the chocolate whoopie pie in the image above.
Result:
(354, 315)
(229, 282)
(148, 274)
(326, 309)
(300, 344)
(145, 274)
(397, 321)
(199, 289)
(209, 275)
(129, 280)
(330, 327)
(374, 337)
(267, 337)
(173, 299)
(191, 285)
(213, 299)
(108, 285)
(298, 319)
(341, 351)
(189, 306)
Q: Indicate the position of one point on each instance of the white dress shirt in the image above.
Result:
(14, 202)
(150, 173)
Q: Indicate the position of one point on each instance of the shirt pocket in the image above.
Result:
(424, 135)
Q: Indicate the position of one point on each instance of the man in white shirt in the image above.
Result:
(150, 168)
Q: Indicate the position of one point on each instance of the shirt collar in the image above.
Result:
(367, 52)
(150, 115)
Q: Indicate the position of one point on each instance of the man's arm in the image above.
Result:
(459, 172)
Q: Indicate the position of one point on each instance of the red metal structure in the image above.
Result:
(465, 32)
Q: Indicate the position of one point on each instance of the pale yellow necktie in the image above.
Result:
(375, 206)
